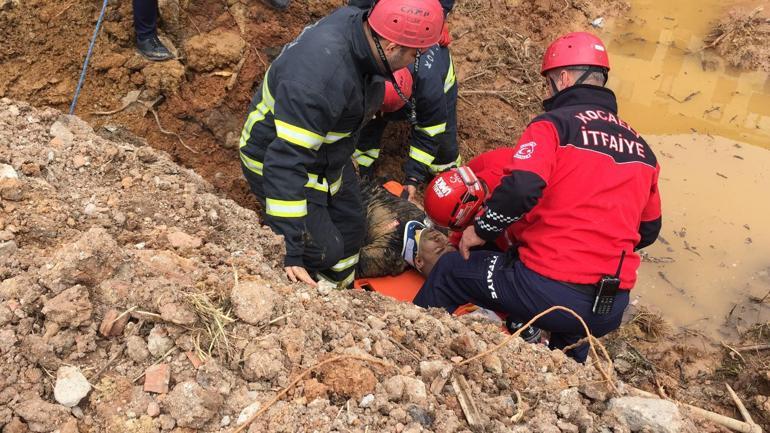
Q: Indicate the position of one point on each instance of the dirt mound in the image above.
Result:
(127, 270)
(743, 39)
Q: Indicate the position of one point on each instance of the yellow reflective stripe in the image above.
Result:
(335, 187)
(286, 208)
(333, 137)
(347, 281)
(364, 160)
(313, 182)
(420, 155)
(438, 168)
(266, 105)
(323, 186)
(432, 131)
(256, 115)
(345, 263)
(252, 164)
(299, 136)
(450, 79)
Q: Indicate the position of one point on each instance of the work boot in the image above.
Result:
(278, 4)
(153, 49)
(530, 335)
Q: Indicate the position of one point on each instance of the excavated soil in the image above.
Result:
(124, 271)
(97, 225)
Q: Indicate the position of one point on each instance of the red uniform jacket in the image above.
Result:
(581, 187)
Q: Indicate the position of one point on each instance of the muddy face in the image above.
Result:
(433, 245)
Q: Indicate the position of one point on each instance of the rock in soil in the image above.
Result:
(71, 386)
(191, 405)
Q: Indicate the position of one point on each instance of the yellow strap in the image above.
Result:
(286, 208)
(420, 156)
(266, 105)
(333, 137)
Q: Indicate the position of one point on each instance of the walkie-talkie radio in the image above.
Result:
(606, 289)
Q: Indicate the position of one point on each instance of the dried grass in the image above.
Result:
(743, 40)
(214, 316)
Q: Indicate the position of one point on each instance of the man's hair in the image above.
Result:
(595, 78)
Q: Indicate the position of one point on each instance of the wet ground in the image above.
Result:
(714, 253)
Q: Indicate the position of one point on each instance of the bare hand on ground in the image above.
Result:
(469, 240)
(298, 273)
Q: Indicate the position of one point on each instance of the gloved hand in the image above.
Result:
(446, 38)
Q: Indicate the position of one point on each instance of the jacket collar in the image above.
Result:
(362, 52)
(583, 94)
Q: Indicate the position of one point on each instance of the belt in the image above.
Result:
(586, 289)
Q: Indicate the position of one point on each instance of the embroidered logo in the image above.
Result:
(526, 150)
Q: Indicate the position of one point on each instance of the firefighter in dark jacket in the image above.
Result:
(433, 138)
(303, 124)
(580, 196)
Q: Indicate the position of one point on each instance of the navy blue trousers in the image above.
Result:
(145, 18)
(488, 281)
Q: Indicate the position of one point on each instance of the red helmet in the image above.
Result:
(575, 49)
(392, 101)
(454, 197)
(409, 23)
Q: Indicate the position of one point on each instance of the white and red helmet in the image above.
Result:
(454, 198)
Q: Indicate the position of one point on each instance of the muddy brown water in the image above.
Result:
(710, 127)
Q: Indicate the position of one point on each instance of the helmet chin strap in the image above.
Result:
(410, 103)
(587, 71)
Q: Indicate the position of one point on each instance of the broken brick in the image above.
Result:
(195, 360)
(157, 378)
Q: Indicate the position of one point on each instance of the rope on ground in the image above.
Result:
(284, 391)
(88, 57)
(592, 341)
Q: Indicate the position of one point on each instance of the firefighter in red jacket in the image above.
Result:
(580, 195)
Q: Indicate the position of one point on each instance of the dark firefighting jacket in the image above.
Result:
(304, 120)
(435, 96)
(581, 188)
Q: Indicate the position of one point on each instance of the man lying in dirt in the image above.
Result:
(432, 113)
(298, 140)
(580, 195)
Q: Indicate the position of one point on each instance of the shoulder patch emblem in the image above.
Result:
(525, 150)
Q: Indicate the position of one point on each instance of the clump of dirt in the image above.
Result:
(743, 39)
(651, 354)
(167, 299)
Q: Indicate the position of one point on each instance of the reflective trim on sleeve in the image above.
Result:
(340, 285)
(438, 168)
(333, 137)
(421, 156)
(450, 79)
(345, 263)
(335, 186)
(253, 165)
(286, 208)
(366, 158)
(266, 105)
(323, 186)
(432, 131)
(299, 136)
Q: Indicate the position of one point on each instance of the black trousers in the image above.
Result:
(145, 18)
(334, 230)
(487, 280)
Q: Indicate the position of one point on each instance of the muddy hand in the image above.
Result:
(298, 273)
(469, 240)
